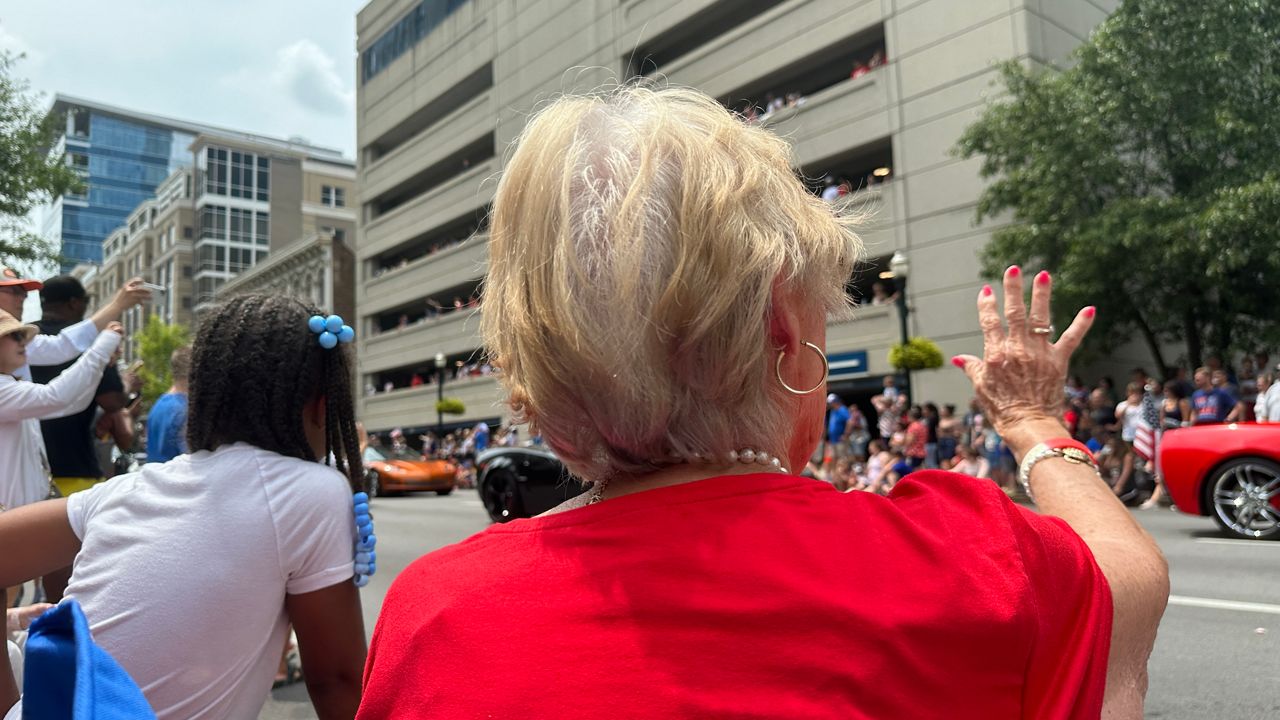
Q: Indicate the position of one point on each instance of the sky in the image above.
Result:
(282, 68)
(277, 67)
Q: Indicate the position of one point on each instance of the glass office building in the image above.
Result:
(122, 156)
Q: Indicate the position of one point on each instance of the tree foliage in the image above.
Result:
(29, 173)
(156, 344)
(1147, 176)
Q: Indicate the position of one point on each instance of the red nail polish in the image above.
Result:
(1043, 277)
(1014, 270)
(957, 362)
(986, 290)
(1090, 311)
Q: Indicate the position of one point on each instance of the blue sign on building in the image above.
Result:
(848, 364)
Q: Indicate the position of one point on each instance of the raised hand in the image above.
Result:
(1020, 378)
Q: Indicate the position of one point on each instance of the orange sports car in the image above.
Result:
(407, 473)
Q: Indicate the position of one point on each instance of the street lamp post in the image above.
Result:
(898, 269)
(440, 365)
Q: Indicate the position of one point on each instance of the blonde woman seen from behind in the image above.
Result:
(657, 298)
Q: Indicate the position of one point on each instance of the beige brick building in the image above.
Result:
(875, 92)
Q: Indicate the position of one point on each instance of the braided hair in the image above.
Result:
(254, 366)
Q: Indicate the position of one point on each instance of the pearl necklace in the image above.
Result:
(746, 456)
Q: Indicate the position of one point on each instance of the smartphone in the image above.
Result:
(154, 288)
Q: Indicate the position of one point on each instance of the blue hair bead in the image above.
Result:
(346, 334)
(316, 323)
(365, 561)
(328, 340)
(333, 324)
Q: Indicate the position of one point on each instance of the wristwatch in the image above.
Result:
(1065, 448)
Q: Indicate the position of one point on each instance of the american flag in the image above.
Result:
(1146, 439)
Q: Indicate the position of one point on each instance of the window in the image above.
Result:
(338, 234)
(237, 174)
(186, 271)
(404, 34)
(331, 196)
(186, 303)
(234, 225)
(187, 232)
(79, 122)
(215, 180)
(264, 178)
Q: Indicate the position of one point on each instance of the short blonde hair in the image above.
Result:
(635, 242)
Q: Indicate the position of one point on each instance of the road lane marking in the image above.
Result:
(1215, 604)
(1245, 543)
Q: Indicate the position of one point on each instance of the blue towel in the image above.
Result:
(68, 677)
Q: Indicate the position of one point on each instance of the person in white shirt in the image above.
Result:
(73, 340)
(970, 463)
(24, 477)
(190, 571)
(1129, 412)
(1267, 407)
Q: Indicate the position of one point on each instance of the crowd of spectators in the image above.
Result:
(433, 310)
(1123, 431)
(427, 377)
(760, 111)
(405, 261)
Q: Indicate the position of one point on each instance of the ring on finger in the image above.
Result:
(1046, 330)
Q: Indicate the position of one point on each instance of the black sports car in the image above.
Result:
(520, 482)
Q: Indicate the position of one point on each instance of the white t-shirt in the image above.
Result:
(184, 567)
(1130, 414)
(1267, 408)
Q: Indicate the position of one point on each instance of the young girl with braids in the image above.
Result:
(190, 571)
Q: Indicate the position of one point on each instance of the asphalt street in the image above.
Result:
(1217, 656)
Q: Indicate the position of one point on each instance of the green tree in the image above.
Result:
(156, 343)
(29, 173)
(1147, 176)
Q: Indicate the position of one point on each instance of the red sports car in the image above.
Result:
(1230, 472)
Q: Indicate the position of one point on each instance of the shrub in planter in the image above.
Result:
(916, 354)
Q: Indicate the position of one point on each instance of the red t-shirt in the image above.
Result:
(918, 435)
(758, 596)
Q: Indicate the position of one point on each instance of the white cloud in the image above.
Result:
(309, 76)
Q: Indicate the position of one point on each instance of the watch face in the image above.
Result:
(1076, 455)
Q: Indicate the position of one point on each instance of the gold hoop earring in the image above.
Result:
(826, 369)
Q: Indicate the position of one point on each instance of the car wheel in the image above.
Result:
(442, 493)
(500, 494)
(1242, 495)
(374, 484)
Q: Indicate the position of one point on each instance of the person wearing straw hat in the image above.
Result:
(23, 475)
(73, 340)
